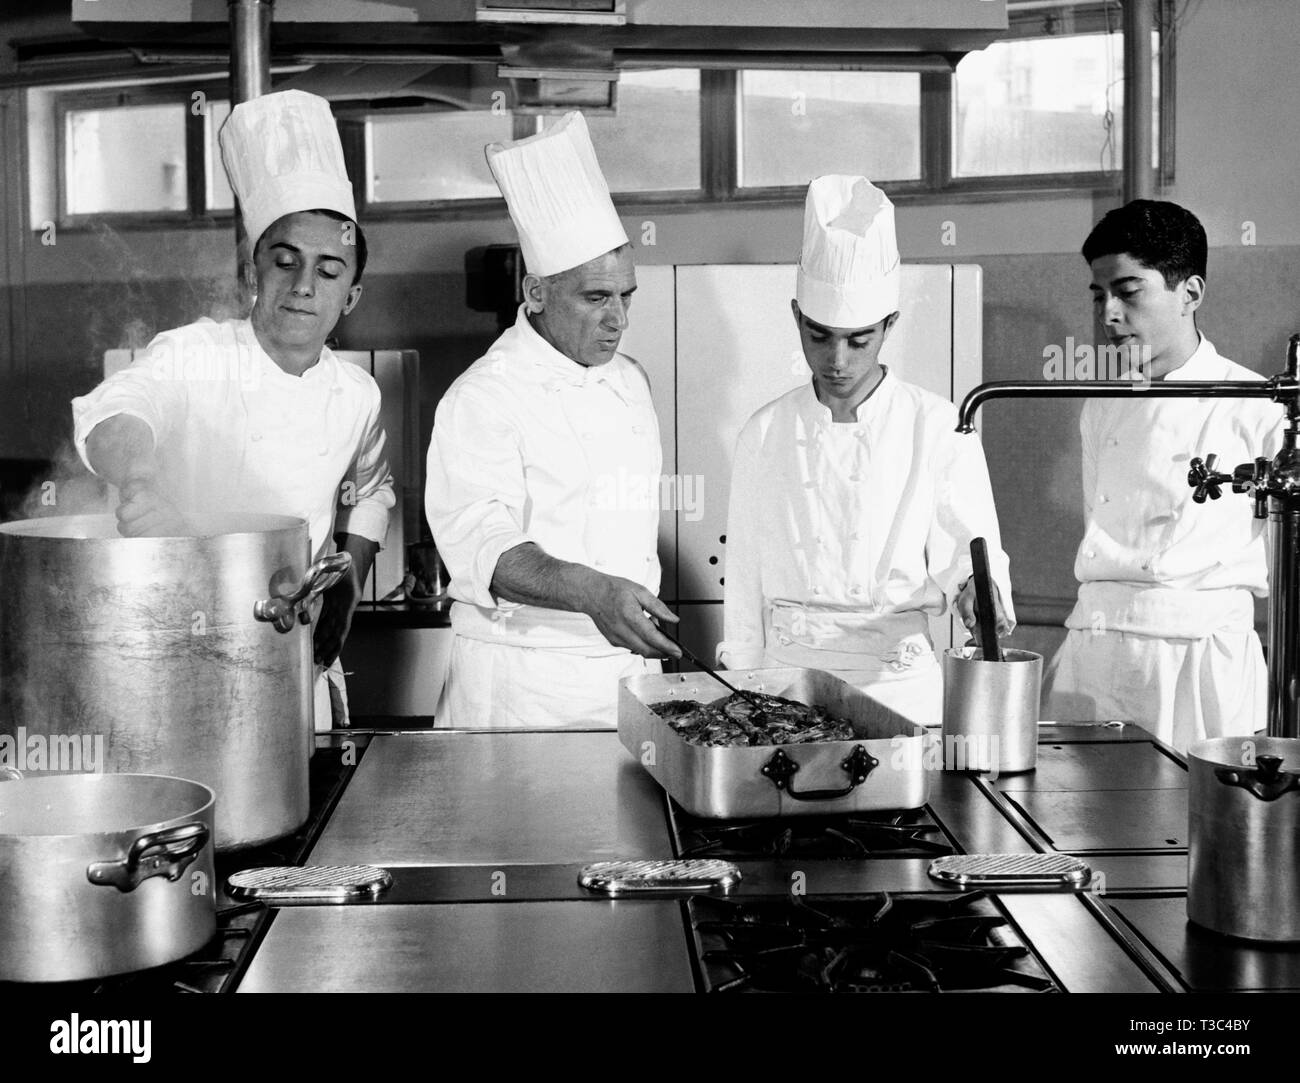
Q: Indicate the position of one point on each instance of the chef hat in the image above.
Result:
(557, 196)
(849, 272)
(282, 154)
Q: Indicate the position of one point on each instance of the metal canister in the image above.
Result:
(187, 656)
(990, 710)
(1244, 851)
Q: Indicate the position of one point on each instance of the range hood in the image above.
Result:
(558, 42)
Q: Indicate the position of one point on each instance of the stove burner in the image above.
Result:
(898, 834)
(927, 944)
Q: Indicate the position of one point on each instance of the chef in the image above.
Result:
(543, 470)
(1163, 630)
(258, 414)
(853, 500)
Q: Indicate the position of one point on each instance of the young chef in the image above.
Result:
(853, 500)
(543, 470)
(258, 415)
(1163, 631)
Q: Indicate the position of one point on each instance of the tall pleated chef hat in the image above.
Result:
(557, 196)
(282, 154)
(849, 271)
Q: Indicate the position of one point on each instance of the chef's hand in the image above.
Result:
(143, 511)
(619, 607)
(966, 609)
(335, 619)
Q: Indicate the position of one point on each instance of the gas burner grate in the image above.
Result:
(883, 943)
(910, 833)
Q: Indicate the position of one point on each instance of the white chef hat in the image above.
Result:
(282, 154)
(849, 271)
(557, 196)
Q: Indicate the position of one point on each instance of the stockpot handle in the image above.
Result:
(1268, 781)
(284, 609)
(781, 769)
(168, 853)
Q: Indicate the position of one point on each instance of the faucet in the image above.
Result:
(1274, 484)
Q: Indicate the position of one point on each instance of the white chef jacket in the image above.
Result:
(844, 538)
(233, 431)
(1156, 569)
(530, 446)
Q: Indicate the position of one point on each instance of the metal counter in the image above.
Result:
(538, 947)
(480, 798)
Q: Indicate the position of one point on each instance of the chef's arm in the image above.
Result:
(120, 449)
(528, 575)
(340, 601)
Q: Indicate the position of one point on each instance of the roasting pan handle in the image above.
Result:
(157, 853)
(781, 769)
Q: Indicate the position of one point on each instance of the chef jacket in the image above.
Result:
(234, 431)
(845, 537)
(530, 446)
(1152, 561)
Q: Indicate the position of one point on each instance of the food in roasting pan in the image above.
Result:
(738, 720)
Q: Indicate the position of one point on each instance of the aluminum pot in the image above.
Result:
(103, 874)
(185, 656)
(1244, 839)
(990, 710)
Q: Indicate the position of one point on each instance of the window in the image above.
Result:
(1043, 105)
(413, 157)
(797, 125)
(653, 143)
(125, 159)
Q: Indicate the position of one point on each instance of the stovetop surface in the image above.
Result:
(878, 943)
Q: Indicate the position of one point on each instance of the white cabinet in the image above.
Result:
(723, 339)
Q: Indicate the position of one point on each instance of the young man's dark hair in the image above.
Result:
(1160, 235)
(358, 236)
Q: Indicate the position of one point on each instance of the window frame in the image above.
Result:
(176, 94)
(719, 121)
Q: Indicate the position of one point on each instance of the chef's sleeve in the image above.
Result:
(963, 510)
(366, 496)
(742, 588)
(475, 492)
(151, 388)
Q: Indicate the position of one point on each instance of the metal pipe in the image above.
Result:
(1278, 480)
(250, 49)
(1274, 389)
(1139, 22)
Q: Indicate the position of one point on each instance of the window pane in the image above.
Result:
(1043, 105)
(433, 155)
(797, 125)
(219, 196)
(126, 158)
(653, 143)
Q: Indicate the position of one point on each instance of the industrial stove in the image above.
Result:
(485, 835)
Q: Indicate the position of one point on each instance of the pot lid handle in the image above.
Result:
(1267, 781)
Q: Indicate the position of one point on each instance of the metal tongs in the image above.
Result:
(749, 697)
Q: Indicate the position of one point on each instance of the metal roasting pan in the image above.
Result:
(883, 768)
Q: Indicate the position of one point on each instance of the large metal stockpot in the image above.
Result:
(1244, 842)
(185, 654)
(103, 874)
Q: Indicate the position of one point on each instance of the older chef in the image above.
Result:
(853, 500)
(543, 471)
(258, 414)
(1163, 631)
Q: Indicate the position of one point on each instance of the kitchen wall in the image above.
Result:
(62, 304)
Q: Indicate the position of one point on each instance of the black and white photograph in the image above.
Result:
(558, 498)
